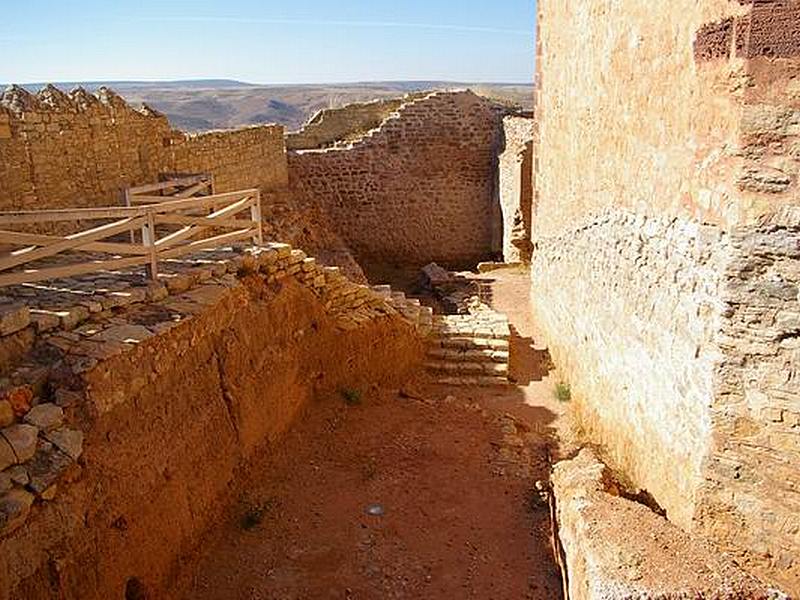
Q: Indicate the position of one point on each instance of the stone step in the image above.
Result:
(499, 333)
(471, 368)
(468, 343)
(484, 381)
(471, 355)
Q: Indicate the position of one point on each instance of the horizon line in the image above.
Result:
(252, 84)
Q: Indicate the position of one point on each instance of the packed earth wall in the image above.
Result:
(187, 390)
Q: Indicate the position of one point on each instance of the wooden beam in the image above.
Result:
(16, 237)
(203, 221)
(208, 243)
(75, 240)
(192, 230)
(34, 275)
(177, 182)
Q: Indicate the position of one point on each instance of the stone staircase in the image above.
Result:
(470, 349)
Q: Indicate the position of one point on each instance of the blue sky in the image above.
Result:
(305, 41)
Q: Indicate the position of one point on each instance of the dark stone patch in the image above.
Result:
(46, 467)
(713, 41)
(771, 30)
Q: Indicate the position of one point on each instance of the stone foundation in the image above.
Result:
(665, 261)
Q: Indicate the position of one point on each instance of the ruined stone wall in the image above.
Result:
(664, 308)
(516, 189)
(347, 123)
(419, 189)
(252, 157)
(78, 150)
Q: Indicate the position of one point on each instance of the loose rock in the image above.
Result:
(20, 399)
(45, 416)
(13, 318)
(46, 468)
(6, 414)
(19, 475)
(69, 441)
(7, 456)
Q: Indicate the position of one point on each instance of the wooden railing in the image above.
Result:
(176, 188)
(167, 230)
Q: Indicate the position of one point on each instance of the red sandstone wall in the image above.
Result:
(420, 189)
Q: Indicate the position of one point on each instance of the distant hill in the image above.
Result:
(205, 104)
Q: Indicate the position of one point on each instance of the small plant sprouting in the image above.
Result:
(351, 397)
(563, 392)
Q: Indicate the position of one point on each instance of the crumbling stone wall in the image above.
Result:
(665, 261)
(348, 123)
(419, 189)
(62, 150)
(516, 187)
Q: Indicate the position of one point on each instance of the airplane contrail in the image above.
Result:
(367, 24)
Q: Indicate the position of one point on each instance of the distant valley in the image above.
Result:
(204, 105)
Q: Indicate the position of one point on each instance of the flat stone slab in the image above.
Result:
(124, 334)
(69, 441)
(45, 416)
(13, 318)
(7, 456)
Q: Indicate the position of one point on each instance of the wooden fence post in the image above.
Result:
(255, 215)
(126, 196)
(149, 241)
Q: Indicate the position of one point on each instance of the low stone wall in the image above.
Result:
(62, 150)
(617, 548)
(173, 397)
(516, 188)
(419, 189)
(345, 124)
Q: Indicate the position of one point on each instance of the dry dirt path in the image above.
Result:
(451, 472)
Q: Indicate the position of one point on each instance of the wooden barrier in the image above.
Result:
(192, 223)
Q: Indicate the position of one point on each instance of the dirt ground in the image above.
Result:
(425, 492)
